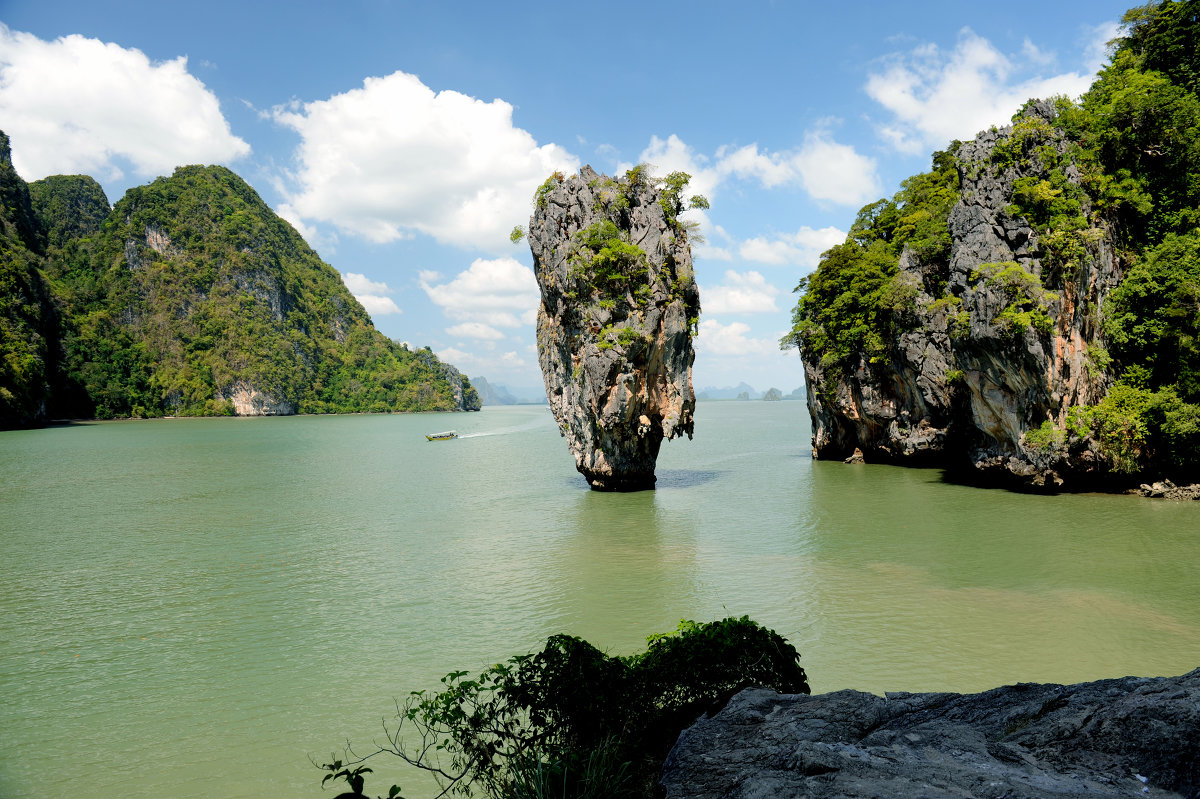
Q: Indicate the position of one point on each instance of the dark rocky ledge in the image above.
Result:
(1130, 737)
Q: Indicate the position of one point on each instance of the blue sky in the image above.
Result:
(404, 140)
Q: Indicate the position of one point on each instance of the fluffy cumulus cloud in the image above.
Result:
(500, 292)
(80, 105)
(740, 293)
(936, 96)
(372, 294)
(394, 157)
(827, 170)
(673, 155)
(475, 330)
(503, 363)
(802, 248)
(834, 172)
(732, 339)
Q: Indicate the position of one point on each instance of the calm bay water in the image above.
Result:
(194, 608)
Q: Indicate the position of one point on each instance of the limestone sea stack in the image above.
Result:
(619, 307)
(1003, 336)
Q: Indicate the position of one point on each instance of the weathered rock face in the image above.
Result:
(619, 305)
(968, 378)
(249, 401)
(1125, 737)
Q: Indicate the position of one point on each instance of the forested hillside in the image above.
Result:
(1031, 305)
(189, 297)
(26, 321)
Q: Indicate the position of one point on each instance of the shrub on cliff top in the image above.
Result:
(849, 304)
(576, 720)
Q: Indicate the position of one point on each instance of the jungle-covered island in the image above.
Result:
(1029, 309)
(189, 297)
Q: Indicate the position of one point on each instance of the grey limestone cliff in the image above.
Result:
(1129, 737)
(999, 337)
(619, 304)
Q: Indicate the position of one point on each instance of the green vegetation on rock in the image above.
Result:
(68, 207)
(856, 301)
(608, 264)
(1026, 300)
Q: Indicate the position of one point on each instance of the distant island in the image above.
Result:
(745, 391)
(190, 297)
(495, 394)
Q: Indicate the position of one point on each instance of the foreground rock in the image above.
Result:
(619, 305)
(1124, 737)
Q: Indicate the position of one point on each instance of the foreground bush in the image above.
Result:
(572, 721)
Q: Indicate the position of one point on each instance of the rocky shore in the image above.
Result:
(1128, 737)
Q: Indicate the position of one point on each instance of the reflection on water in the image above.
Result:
(684, 478)
(205, 604)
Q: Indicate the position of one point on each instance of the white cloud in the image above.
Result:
(731, 339)
(393, 158)
(709, 252)
(1097, 51)
(500, 292)
(770, 169)
(378, 306)
(307, 232)
(361, 284)
(767, 252)
(505, 363)
(456, 357)
(935, 97)
(477, 330)
(827, 170)
(802, 248)
(836, 172)
(673, 155)
(80, 105)
(1031, 52)
(372, 294)
(742, 292)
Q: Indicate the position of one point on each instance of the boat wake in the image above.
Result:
(503, 431)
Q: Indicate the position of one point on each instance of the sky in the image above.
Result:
(404, 140)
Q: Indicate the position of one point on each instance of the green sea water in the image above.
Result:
(197, 608)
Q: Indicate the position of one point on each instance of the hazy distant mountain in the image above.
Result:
(734, 392)
(496, 394)
(492, 395)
